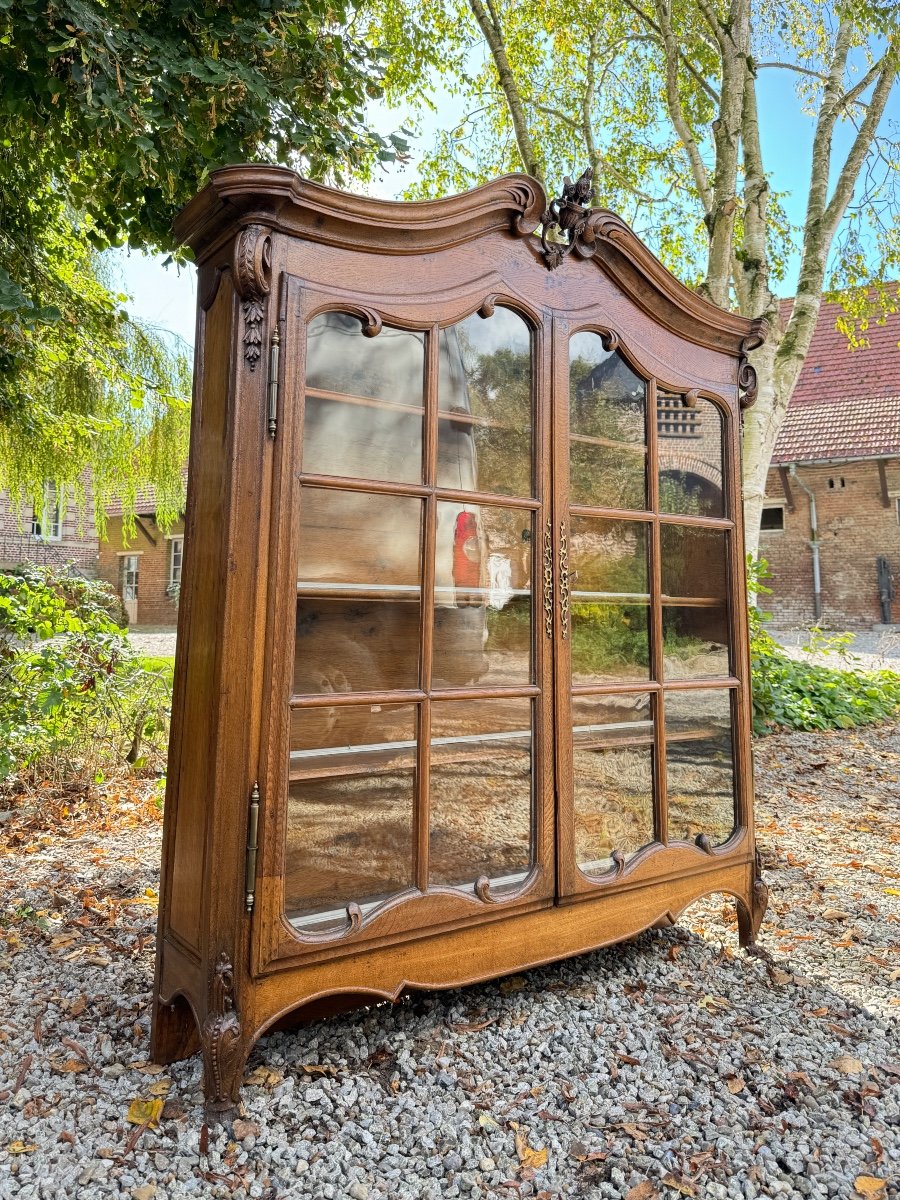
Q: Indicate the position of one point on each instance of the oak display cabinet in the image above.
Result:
(462, 679)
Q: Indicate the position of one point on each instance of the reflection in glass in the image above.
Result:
(610, 601)
(700, 768)
(364, 400)
(484, 398)
(482, 621)
(481, 792)
(358, 595)
(695, 613)
(349, 815)
(613, 768)
(607, 418)
(690, 457)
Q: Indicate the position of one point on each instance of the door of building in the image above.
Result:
(129, 585)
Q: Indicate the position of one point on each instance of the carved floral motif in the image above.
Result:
(221, 1037)
(252, 267)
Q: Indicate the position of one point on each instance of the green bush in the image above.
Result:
(796, 694)
(73, 696)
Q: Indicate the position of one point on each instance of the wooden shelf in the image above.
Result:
(364, 401)
(609, 443)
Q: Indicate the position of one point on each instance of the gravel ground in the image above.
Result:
(671, 1066)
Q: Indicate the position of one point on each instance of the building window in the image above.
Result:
(772, 519)
(176, 553)
(837, 484)
(46, 524)
(897, 506)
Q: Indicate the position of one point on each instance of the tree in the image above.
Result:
(111, 116)
(661, 98)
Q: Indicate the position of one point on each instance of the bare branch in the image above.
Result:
(843, 191)
(867, 80)
(781, 66)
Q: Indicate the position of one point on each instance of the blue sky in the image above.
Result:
(166, 297)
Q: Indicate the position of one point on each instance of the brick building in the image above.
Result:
(831, 522)
(49, 537)
(146, 572)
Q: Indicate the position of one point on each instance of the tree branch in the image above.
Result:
(843, 190)
(676, 111)
(685, 62)
(490, 26)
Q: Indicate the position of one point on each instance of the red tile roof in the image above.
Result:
(847, 402)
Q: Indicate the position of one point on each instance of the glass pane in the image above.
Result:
(607, 427)
(358, 592)
(700, 767)
(350, 814)
(610, 601)
(481, 792)
(695, 612)
(690, 457)
(613, 762)
(484, 397)
(364, 400)
(482, 619)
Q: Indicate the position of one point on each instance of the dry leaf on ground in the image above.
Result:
(144, 1112)
(868, 1185)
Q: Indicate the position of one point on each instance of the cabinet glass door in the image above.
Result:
(647, 709)
(416, 752)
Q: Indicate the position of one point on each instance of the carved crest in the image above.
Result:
(252, 267)
(566, 219)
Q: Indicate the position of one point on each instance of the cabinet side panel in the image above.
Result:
(192, 766)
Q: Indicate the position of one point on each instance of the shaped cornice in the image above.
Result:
(277, 199)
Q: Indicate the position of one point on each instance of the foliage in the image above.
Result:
(796, 694)
(72, 695)
(111, 116)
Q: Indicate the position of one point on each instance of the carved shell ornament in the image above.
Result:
(252, 268)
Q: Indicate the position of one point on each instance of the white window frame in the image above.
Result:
(176, 544)
(45, 528)
(770, 504)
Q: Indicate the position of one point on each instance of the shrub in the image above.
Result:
(73, 697)
(796, 694)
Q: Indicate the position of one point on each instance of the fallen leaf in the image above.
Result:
(486, 1121)
(241, 1129)
(835, 914)
(473, 1026)
(734, 1083)
(264, 1077)
(847, 1065)
(146, 1192)
(514, 983)
(160, 1088)
(18, 1147)
(868, 1185)
(642, 1191)
(680, 1185)
(528, 1155)
(888, 892)
(779, 977)
(78, 1005)
(69, 1066)
(144, 1112)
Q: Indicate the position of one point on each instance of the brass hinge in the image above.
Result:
(273, 381)
(252, 847)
